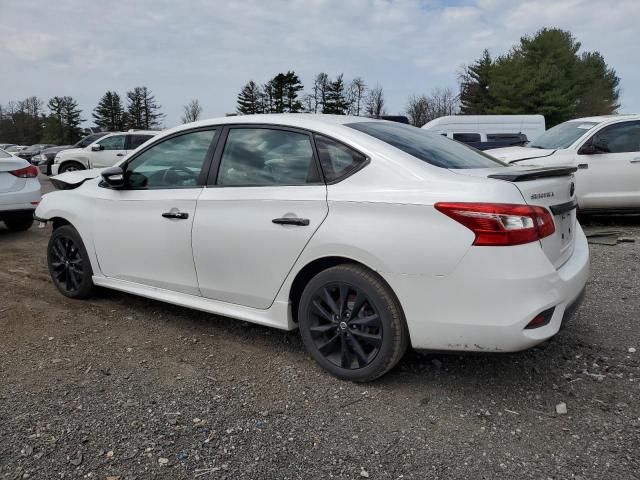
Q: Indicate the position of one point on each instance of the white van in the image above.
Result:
(489, 131)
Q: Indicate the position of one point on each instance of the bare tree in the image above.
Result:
(192, 111)
(442, 102)
(374, 104)
(356, 96)
(418, 110)
(319, 95)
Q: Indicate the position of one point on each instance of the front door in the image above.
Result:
(610, 178)
(257, 214)
(111, 150)
(142, 233)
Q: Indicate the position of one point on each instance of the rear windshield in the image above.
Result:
(426, 146)
(563, 135)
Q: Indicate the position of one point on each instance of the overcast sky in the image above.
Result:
(208, 49)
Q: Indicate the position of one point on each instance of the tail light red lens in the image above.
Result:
(501, 224)
(26, 172)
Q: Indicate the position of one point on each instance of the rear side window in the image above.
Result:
(427, 146)
(338, 161)
(136, 140)
(263, 157)
(467, 137)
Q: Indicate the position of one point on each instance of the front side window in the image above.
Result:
(618, 138)
(427, 146)
(337, 160)
(115, 142)
(563, 135)
(263, 156)
(173, 163)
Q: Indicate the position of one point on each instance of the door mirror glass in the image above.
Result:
(114, 177)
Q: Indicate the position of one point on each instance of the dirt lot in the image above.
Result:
(121, 387)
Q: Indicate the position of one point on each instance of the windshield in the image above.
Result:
(4, 154)
(89, 139)
(428, 147)
(563, 135)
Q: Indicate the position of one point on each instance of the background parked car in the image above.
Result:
(19, 191)
(47, 155)
(34, 150)
(489, 131)
(606, 151)
(14, 149)
(104, 152)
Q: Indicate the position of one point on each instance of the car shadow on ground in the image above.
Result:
(493, 371)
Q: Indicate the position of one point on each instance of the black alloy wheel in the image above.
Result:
(69, 264)
(351, 323)
(345, 326)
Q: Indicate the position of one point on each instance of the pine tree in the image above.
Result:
(293, 86)
(63, 124)
(335, 100)
(108, 115)
(142, 110)
(250, 99)
(475, 97)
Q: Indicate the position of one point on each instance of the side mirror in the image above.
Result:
(96, 148)
(587, 149)
(114, 177)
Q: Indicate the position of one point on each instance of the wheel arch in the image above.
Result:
(73, 160)
(312, 268)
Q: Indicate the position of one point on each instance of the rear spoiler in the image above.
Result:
(534, 173)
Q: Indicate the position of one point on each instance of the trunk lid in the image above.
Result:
(11, 183)
(552, 188)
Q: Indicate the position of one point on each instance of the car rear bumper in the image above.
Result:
(27, 198)
(486, 303)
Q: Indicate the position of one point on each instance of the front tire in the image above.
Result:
(19, 224)
(70, 167)
(69, 263)
(351, 323)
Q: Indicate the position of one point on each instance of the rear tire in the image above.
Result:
(69, 263)
(70, 167)
(19, 224)
(352, 323)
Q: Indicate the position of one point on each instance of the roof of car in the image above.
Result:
(608, 118)
(300, 120)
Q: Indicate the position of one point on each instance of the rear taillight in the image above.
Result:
(26, 172)
(501, 223)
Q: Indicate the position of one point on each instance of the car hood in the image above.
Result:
(71, 180)
(56, 149)
(510, 154)
(72, 151)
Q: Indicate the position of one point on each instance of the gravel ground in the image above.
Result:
(120, 387)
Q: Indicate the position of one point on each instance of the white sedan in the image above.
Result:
(366, 235)
(19, 192)
(606, 152)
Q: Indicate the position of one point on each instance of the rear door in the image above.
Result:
(610, 178)
(112, 149)
(264, 201)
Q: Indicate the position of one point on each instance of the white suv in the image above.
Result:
(104, 152)
(606, 151)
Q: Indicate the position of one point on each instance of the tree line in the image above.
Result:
(545, 73)
(284, 94)
(27, 122)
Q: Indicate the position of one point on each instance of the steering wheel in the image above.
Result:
(171, 176)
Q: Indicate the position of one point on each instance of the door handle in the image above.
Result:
(300, 222)
(635, 160)
(176, 214)
(119, 154)
(583, 166)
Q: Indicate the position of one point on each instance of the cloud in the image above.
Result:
(208, 49)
